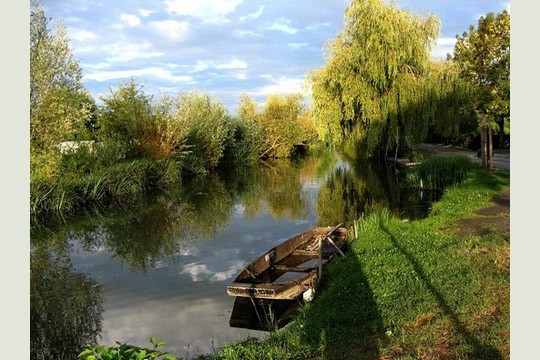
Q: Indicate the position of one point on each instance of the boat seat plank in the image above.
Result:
(286, 268)
(312, 253)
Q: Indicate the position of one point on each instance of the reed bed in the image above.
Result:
(438, 173)
(122, 183)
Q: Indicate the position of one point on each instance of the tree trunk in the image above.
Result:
(484, 143)
(490, 150)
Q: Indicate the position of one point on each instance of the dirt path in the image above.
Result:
(501, 158)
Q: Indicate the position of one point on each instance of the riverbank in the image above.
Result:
(436, 288)
(501, 157)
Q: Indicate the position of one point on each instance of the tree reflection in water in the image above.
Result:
(65, 308)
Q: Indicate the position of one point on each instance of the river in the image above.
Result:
(161, 269)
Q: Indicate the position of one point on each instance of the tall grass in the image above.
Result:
(121, 183)
(437, 173)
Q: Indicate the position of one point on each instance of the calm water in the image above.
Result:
(162, 268)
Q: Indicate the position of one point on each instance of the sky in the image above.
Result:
(223, 48)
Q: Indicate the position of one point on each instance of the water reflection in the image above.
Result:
(164, 265)
(263, 314)
(65, 308)
(354, 189)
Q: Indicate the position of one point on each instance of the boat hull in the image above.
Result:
(286, 271)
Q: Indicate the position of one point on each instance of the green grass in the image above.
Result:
(412, 290)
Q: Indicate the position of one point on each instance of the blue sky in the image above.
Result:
(223, 48)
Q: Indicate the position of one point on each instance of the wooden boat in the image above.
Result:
(263, 314)
(292, 267)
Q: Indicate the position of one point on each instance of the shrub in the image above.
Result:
(127, 352)
(207, 128)
(142, 129)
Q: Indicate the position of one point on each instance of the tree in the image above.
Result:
(371, 79)
(205, 121)
(249, 135)
(59, 104)
(126, 113)
(283, 125)
(483, 55)
(139, 126)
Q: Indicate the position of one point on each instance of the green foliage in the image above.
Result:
(280, 345)
(438, 173)
(122, 183)
(207, 128)
(127, 352)
(448, 104)
(142, 128)
(483, 54)
(379, 89)
(59, 106)
(284, 125)
(248, 134)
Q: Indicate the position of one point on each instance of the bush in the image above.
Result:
(207, 128)
(142, 129)
(127, 352)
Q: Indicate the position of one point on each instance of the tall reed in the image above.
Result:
(117, 184)
(437, 173)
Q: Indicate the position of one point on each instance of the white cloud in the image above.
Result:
(282, 25)
(96, 66)
(242, 33)
(82, 35)
(130, 20)
(233, 64)
(297, 45)
(206, 10)
(201, 66)
(175, 30)
(316, 26)
(146, 12)
(442, 47)
(280, 86)
(85, 49)
(128, 52)
(241, 76)
(136, 73)
(200, 272)
(254, 15)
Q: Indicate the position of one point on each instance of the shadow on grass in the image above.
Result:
(479, 350)
(343, 322)
(495, 180)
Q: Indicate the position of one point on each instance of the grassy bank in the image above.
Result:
(436, 288)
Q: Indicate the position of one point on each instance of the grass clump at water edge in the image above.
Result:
(120, 183)
(437, 173)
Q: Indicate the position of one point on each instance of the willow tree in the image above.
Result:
(59, 104)
(371, 93)
(249, 135)
(284, 125)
